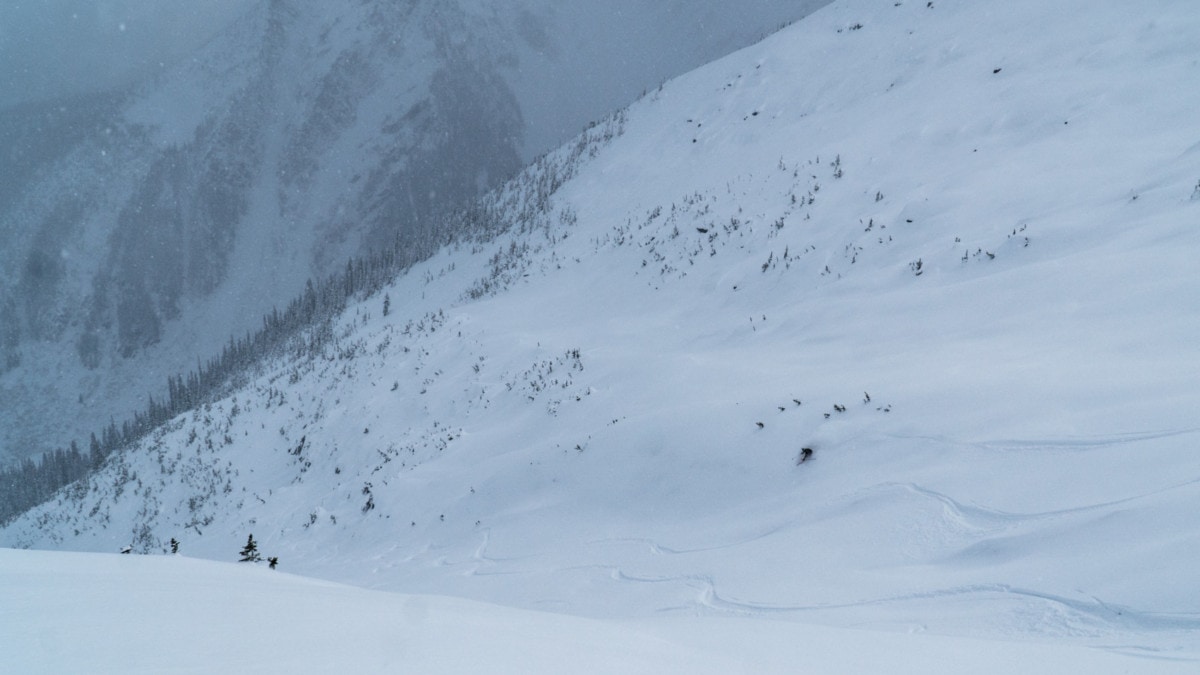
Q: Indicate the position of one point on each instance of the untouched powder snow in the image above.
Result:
(948, 247)
(100, 613)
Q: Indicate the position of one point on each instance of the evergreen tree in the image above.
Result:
(174, 545)
(250, 551)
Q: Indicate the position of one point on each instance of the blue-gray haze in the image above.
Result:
(173, 170)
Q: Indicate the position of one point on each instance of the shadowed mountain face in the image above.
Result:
(140, 229)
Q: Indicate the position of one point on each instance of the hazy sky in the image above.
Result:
(50, 48)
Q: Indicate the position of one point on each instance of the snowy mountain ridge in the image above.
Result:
(140, 230)
(948, 250)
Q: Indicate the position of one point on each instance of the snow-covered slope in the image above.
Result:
(138, 232)
(114, 614)
(950, 249)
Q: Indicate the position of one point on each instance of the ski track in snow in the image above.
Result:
(1078, 443)
(982, 519)
(1058, 616)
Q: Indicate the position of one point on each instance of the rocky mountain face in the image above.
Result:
(139, 230)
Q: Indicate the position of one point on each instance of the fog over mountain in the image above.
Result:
(57, 48)
(169, 181)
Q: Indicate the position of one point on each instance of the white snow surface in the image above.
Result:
(950, 248)
(104, 613)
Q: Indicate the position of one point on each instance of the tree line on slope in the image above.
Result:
(305, 326)
(34, 481)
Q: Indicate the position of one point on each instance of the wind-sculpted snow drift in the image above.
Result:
(948, 250)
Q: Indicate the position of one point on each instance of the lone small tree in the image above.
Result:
(174, 545)
(250, 551)
(273, 561)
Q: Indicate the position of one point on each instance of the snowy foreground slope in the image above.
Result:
(951, 249)
(102, 613)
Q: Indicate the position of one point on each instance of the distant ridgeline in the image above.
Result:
(305, 327)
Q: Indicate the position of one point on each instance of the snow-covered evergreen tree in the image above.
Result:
(250, 551)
